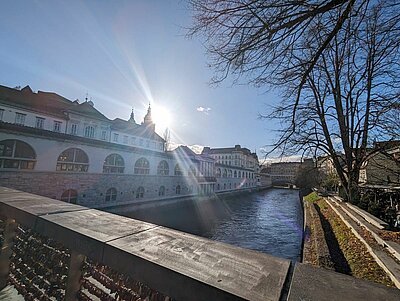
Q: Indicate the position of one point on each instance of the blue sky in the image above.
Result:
(126, 54)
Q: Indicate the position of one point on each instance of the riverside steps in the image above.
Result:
(55, 250)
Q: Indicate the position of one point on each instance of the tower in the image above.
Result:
(132, 117)
(148, 120)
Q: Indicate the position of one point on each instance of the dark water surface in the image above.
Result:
(270, 221)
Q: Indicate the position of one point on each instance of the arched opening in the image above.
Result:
(111, 194)
(218, 173)
(224, 175)
(235, 174)
(114, 163)
(16, 154)
(73, 159)
(178, 170)
(69, 196)
(142, 167)
(163, 168)
(161, 191)
(140, 193)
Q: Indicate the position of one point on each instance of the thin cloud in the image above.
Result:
(203, 110)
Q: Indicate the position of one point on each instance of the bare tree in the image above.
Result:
(337, 63)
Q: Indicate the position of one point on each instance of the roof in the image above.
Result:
(42, 102)
(47, 103)
(86, 108)
(236, 148)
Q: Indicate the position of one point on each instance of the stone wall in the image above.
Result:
(92, 187)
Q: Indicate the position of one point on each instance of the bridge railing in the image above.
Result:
(52, 250)
(60, 250)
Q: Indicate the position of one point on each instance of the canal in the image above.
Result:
(270, 221)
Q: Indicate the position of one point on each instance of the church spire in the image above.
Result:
(148, 119)
(132, 117)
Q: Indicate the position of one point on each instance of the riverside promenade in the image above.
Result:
(89, 247)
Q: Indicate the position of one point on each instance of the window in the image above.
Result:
(218, 173)
(57, 126)
(125, 139)
(133, 140)
(225, 173)
(103, 135)
(1, 114)
(178, 170)
(230, 173)
(192, 170)
(218, 186)
(70, 196)
(114, 163)
(16, 154)
(89, 131)
(39, 122)
(178, 189)
(142, 167)
(163, 168)
(115, 138)
(74, 129)
(235, 174)
(20, 118)
(111, 195)
(140, 193)
(161, 191)
(73, 159)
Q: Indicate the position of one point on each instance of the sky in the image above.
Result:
(127, 54)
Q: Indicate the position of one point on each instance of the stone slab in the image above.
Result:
(227, 272)
(8, 190)
(26, 207)
(380, 224)
(88, 230)
(316, 284)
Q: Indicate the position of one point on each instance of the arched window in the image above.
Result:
(163, 168)
(178, 170)
(225, 173)
(111, 195)
(235, 174)
(192, 171)
(70, 196)
(239, 174)
(89, 131)
(218, 186)
(140, 193)
(224, 186)
(218, 173)
(230, 185)
(230, 173)
(114, 163)
(142, 167)
(178, 189)
(161, 191)
(16, 154)
(73, 159)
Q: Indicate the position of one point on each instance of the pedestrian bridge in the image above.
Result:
(53, 249)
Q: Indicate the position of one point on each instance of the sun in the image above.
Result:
(161, 117)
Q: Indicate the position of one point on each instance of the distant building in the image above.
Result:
(383, 165)
(283, 173)
(235, 167)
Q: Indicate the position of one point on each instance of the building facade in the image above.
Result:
(235, 167)
(68, 150)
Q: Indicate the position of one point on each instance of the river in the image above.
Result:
(270, 221)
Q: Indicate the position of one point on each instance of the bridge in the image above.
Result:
(52, 249)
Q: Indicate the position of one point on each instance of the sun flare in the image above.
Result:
(161, 117)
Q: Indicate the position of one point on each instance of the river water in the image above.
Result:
(269, 221)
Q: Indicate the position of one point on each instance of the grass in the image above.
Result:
(361, 263)
(312, 197)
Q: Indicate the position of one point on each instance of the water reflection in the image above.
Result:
(268, 221)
